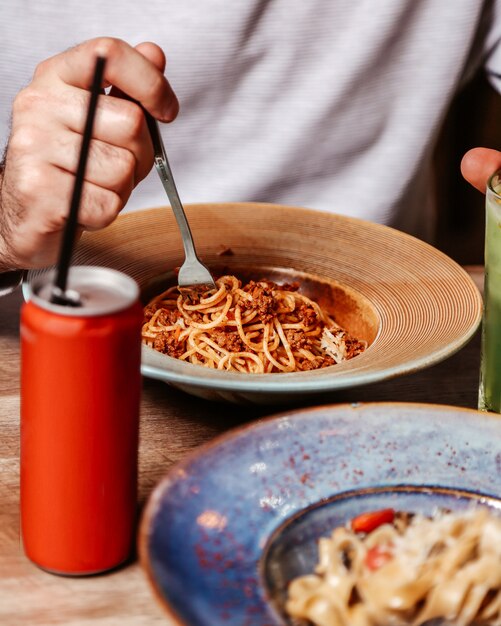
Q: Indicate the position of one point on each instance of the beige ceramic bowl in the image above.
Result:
(411, 303)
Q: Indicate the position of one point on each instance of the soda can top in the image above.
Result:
(100, 290)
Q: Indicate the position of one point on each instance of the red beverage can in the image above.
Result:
(80, 392)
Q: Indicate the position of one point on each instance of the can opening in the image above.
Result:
(94, 291)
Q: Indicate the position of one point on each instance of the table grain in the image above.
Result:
(172, 424)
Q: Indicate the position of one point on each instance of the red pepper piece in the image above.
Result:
(377, 556)
(367, 522)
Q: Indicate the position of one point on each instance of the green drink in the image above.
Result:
(490, 366)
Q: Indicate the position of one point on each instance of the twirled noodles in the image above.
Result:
(260, 327)
(406, 573)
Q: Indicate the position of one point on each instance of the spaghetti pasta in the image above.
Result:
(408, 572)
(260, 327)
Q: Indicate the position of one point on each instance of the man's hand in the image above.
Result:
(478, 165)
(42, 154)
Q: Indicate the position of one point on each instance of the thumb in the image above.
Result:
(478, 165)
(156, 55)
(153, 53)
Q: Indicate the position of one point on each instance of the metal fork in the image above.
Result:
(193, 274)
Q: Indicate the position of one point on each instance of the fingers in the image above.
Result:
(118, 122)
(47, 122)
(50, 187)
(478, 165)
(34, 210)
(126, 68)
(108, 166)
(57, 94)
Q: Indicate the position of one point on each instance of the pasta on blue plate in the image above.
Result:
(386, 569)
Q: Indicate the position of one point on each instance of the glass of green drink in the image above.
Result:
(489, 397)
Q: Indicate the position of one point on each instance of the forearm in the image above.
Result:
(3, 248)
(6, 261)
(10, 274)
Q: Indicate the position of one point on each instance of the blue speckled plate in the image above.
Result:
(231, 524)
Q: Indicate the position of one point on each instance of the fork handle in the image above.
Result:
(163, 168)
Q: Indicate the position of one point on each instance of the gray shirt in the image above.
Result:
(329, 104)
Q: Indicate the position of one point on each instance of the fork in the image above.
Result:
(193, 274)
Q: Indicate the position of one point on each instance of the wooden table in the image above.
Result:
(172, 423)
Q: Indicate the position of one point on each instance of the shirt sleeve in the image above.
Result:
(492, 45)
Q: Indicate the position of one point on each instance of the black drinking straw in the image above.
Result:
(59, 295)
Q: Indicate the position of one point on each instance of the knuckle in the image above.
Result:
(28, 187)
(108, 46)
(26, 100)
(41, 68)
(24, 138)
(101, 208)
(133, 120)
(123, 164)
(127, 163)
(114, 205)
